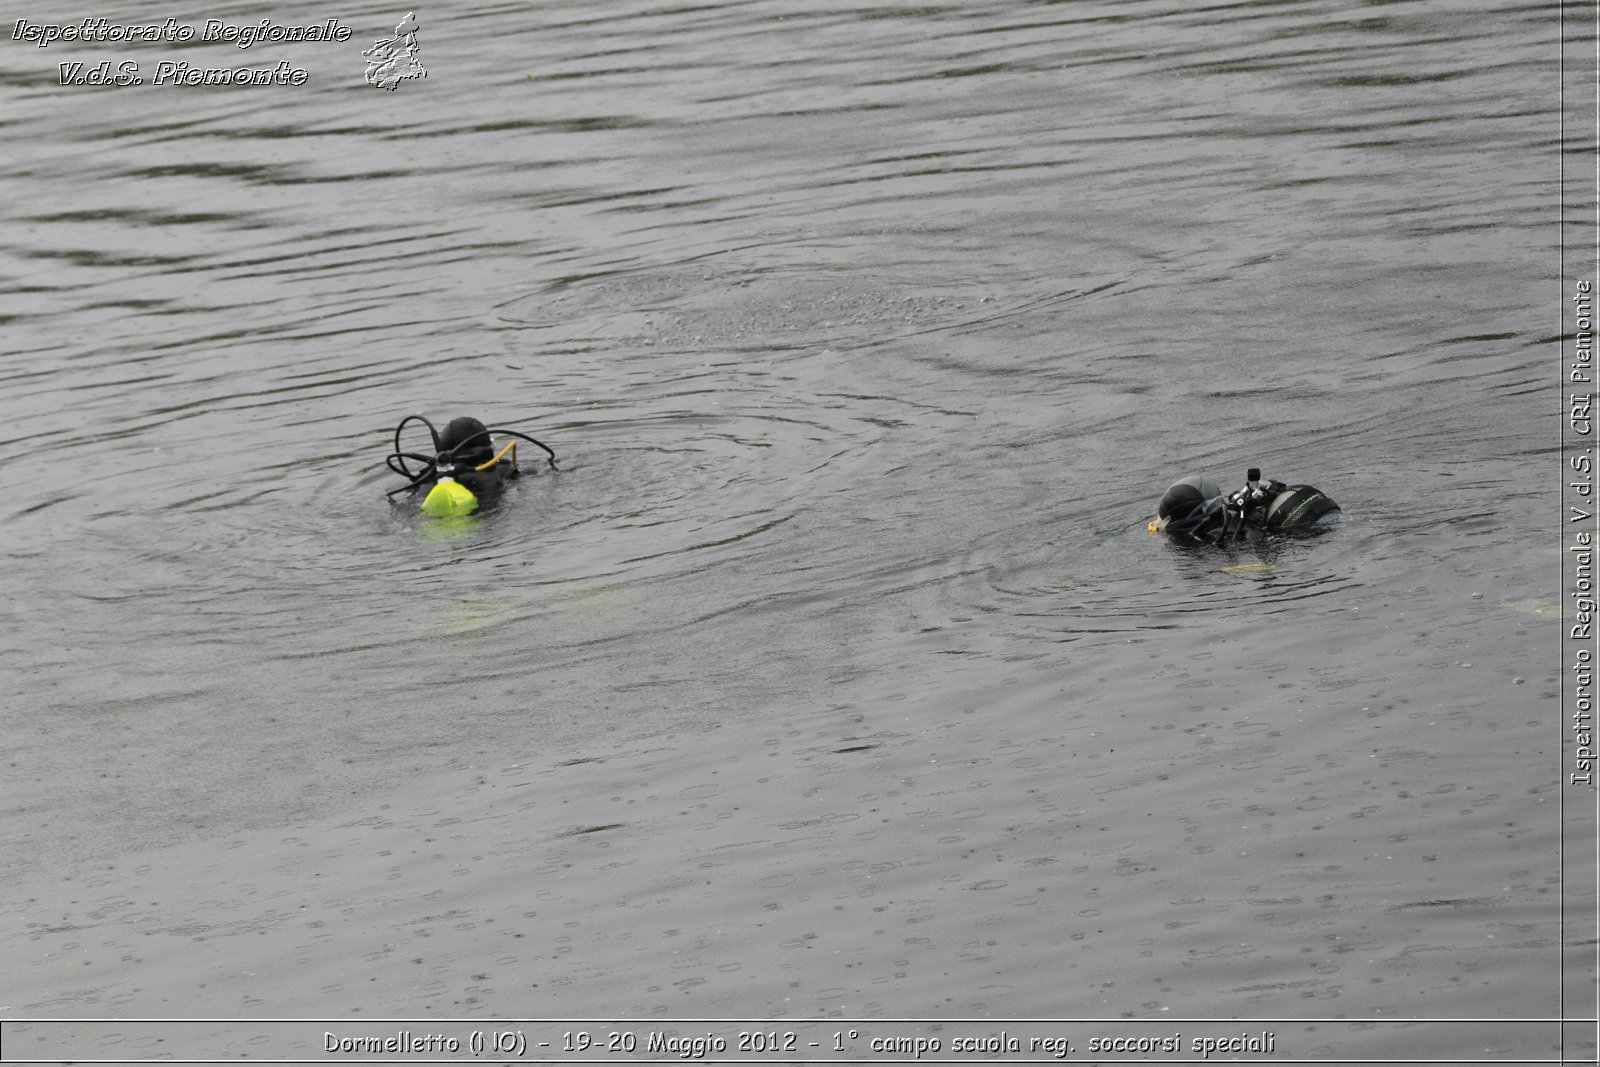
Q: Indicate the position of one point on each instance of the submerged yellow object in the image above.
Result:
(449, 499)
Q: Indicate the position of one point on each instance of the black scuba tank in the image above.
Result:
(466, 440)
(1298, 507)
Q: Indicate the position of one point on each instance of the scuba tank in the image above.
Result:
(472, 474)
(1297, 507)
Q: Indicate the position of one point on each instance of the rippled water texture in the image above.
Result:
(834, 672)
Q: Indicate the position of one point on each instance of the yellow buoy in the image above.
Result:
(449, 499)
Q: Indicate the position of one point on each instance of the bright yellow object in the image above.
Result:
(1154, 526)
(449, 499)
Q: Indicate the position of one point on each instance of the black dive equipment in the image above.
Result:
(1195, 509)
(464, 468)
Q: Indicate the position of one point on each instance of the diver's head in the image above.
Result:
(1193, 503)
(466, 441)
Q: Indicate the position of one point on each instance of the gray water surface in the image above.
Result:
(834, 672)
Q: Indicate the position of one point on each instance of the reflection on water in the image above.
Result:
(869, 338)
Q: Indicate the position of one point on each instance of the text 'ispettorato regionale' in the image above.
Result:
(171, 31)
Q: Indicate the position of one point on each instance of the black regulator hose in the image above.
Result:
(485, 433)
(398, 451)
(532, 441)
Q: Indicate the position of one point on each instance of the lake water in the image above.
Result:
(834, 674)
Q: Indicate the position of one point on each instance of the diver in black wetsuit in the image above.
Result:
(465, 468)
(1195, 510)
